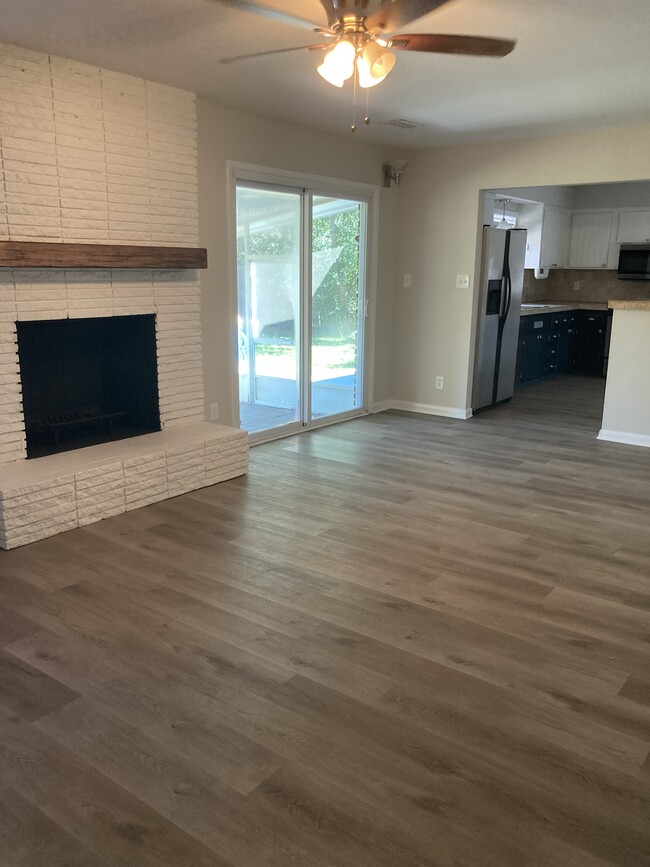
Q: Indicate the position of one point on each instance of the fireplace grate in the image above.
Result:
(56, 423)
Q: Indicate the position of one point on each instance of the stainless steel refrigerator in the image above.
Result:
(502, 278)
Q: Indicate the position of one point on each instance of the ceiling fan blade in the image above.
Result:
(257, 54)
(391, 16)
(268, 12)
(444, 43)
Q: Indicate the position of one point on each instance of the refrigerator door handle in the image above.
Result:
(509, 296)
(507, 280)
(504, 298)
(503, 315)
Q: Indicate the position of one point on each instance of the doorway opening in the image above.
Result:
(573, 240)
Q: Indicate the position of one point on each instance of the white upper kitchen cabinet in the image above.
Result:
(590, 237)
(556, 232)
(530, 218)
(634, 227)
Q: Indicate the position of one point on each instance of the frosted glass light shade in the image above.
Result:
(329, 76)
(338, 64)
(374, 64)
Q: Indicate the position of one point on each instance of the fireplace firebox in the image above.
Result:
(87, 381)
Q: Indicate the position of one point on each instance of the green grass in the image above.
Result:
(288, 348)
(328, 353)
(273, 349)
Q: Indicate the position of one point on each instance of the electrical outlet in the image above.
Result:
(407, 281)
(462, 281)
(576, 285)
(440, 382)
(214, 411)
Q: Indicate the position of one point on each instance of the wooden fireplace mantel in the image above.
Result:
(38, 254)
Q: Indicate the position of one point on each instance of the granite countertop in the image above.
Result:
(629, 305)
(539, 307)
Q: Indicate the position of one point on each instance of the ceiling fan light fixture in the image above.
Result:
(329, 75)
(338, 63)
(364, 41)
(373, 64)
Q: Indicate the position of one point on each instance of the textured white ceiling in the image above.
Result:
(578, 64)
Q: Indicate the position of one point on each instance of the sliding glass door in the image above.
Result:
(301, 263)
(337, 314)
(269, 266)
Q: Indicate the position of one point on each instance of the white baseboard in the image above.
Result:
(630, 439)
(425, 408)
(382, 406)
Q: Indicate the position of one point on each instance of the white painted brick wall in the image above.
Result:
(41, 294)
(92, 155)
(88, 155)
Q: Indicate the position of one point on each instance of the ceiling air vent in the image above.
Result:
(400, 123)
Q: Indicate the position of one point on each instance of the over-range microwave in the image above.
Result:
(634, 262)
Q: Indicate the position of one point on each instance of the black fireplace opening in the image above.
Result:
(87, 381)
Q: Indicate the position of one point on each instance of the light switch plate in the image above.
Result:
(407, 281)
(462, 281)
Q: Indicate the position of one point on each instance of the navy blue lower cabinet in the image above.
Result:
(533, 347)
(552, 349)
(591, 342)
(561, 342)
(567, 341)
(553, 343)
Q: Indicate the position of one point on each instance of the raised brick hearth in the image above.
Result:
(41, 497)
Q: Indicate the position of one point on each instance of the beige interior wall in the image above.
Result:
(439, 206)
(627, 395)
(226, 134)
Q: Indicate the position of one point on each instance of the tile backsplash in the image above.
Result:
(596, 285)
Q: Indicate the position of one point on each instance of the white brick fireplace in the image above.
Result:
(90, 156)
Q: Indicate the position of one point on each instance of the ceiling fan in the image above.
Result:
(365, 42)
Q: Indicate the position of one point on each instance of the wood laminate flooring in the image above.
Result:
(402, 641)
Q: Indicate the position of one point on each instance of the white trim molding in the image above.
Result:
(382, 406)
(630, 439)
(424, 408)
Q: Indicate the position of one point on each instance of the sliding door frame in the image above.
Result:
(310, 186)
(296, 426)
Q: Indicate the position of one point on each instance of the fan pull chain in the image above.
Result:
(366, 119)
(353, 128)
